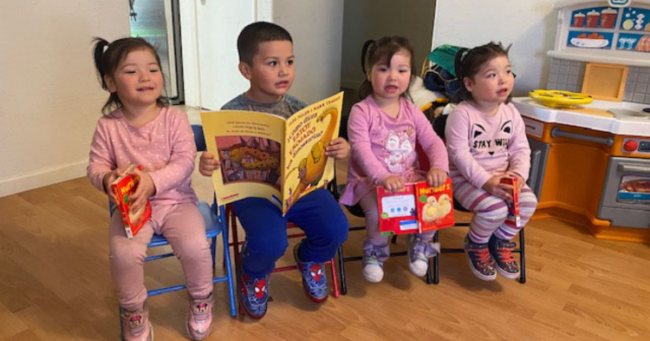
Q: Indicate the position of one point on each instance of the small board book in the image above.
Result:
(123, 187)
(513, 208)
(417, 208)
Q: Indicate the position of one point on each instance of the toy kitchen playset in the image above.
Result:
(593, 146)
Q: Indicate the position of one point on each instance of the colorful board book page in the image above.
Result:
(268, 156)
(123, 187)
(513, 208)
(416, 208)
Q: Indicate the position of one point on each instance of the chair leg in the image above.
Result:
(434, 261)
(226, 256)
(522, 257)
(344, 286)
(213, 251)
(335, 280)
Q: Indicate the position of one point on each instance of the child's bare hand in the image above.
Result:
(436, 177)
(520, 181)
(108, 180)
(339, 148)
(146, 188)
(392, 183)
(496, 188)
(207, 164)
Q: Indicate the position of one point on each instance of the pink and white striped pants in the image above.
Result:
(490, 212)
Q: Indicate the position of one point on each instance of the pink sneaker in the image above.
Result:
(199, 319)
(136, 325)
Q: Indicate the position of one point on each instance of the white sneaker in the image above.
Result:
(373, 269)
(419, 253)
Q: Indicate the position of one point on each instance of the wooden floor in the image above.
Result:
(55, 285)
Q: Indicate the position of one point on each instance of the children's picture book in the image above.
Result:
(268, 156)
(416, 208)
(513, 207)
(123, 187)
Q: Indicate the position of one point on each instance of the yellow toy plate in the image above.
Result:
(560, 98)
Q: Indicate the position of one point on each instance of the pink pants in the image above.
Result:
(184, 228)
(371, 211)
(490, 212)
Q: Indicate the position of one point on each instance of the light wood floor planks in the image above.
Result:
(55, 285)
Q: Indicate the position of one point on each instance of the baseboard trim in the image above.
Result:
(42, 178)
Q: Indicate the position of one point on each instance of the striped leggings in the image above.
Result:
(490, 212)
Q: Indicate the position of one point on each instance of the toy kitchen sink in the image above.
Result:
(595, 158)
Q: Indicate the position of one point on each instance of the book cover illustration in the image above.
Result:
(123, 187)
(267, 156)
(513, 207)
(435, 206)
(416, 208)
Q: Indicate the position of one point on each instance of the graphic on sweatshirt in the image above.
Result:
(484, 142)
(399, 148)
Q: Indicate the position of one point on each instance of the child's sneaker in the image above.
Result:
(501, 250)
(372, 267)
(419, 253)
(254, 295)
(199, 319)
(314, 280)
(136, 325)
(480, 260)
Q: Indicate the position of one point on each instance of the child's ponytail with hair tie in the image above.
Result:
(100, 46)
(364, 53)
(458, 62)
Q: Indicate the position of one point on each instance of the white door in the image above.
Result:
(210, 30)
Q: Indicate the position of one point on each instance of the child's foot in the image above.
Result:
(419, 253)
(199, 319)
(254, 295)
(314, 280)
(480, 260)
(372, 268)
(501, 250)
(136, 325)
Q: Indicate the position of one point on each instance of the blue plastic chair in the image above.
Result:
(215, 224)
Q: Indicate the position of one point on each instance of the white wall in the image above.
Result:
(316, 28)
(51, 98)
(528, 25)
(373, 19)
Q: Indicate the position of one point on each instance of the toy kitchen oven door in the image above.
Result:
(595, 179)
(626, 194)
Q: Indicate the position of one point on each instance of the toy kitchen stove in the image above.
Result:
(595, 158)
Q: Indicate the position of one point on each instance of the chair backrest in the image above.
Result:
(439, 124)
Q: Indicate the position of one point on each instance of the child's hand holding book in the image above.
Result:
(109, 178)
(436, 177)
(520, 181)
(496, 187)
(146, 188)
(393, 183)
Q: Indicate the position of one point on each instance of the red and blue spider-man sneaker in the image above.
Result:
(254, 295)
(314, 280)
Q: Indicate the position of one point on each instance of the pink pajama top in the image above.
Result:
(164, 148)
(481, 145)
(384, 146)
